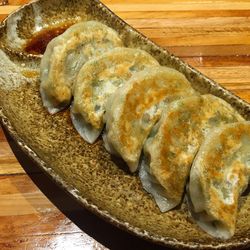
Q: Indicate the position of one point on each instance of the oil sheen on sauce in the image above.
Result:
(38, 43)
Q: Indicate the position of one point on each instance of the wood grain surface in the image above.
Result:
(212, 36)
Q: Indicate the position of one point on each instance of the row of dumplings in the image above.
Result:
(152, 118)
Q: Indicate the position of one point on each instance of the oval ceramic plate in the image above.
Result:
(86, 171)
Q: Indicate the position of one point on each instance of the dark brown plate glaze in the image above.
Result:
(86, 171)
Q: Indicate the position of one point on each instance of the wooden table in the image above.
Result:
(212, 36)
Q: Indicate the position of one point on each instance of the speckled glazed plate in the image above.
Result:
(86, 171)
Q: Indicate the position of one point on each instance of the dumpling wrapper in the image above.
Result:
(65, 55)
(219, 175)
(173, 143)
(97, 80)
(136, 107)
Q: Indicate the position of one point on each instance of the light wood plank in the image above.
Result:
(10, 167)
(205, 23)
(163, 14)
(208, 50)
(172, 2)
(71, 241)
(181, 6)
(5, 151)
(22, 203)
(218, 61)
(237, 74)
(7, 9)
(18, 2)
(3, 16)
(2, 136)
(245, 95)
(28, 220)
(152, 6)
(19, 196)
(165, 37)
(8, 162)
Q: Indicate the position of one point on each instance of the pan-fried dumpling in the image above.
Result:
(97, 80)
(65, 55)
(219, 175)
(136, 107)
(171, 147)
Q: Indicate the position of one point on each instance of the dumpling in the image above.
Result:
(171, 147)
(65, 55)
(136, 107)
(219, 175)
(97, 80)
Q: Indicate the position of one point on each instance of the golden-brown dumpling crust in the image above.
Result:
(181, 131)
(137, 106)
(97, 80)
(65, 55)
(220, 173)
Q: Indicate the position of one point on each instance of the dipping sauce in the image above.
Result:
(38, 43)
